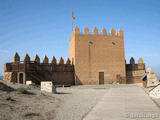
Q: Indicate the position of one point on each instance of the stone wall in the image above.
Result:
(10, 76)
(7, 76)
(95, 52)
(92, 57)
(60, 73)
(134, 72)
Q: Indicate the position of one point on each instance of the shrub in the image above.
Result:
(31, 114)
(22, 90)
(9, 98)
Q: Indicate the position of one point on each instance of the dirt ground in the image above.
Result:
(71, 103)
(33, 106)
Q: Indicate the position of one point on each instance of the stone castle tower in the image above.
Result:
(99, 58)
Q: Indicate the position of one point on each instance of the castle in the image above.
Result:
(97, 58)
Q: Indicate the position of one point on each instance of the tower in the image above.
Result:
(98, 57)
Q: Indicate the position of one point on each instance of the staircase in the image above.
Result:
(40, 75)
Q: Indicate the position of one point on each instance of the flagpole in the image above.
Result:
(72, 18)
(72, 25)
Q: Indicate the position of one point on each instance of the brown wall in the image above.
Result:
(134, 72)
(90, 55)
(94, 53)
(36, 72)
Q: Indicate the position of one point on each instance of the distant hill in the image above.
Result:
(1, 77)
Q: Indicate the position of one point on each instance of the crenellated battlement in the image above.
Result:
(84, 49)
(45, 60)
(112, 32)
(135, 66)
(37, 71)
(134, 71)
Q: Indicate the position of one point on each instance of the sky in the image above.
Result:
(43, 27)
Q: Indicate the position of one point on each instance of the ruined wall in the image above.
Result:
(151, 77)
(9, 75)
(134, 72)
(60, 73)
(94, 53)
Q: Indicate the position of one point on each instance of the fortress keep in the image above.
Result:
(94, 58)
(98, 58)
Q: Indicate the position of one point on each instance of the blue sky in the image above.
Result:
(44, 26)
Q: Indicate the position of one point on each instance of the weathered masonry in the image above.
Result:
(36, 72)
(94, 58)
(99, 58)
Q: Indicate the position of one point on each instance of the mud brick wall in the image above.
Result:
(134, 72)
(60, 74)
(10, 76)
(92, 53)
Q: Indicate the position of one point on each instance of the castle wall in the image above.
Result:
(60, 74)
(72, 47)
(96, 58)
(134, 72)
(96, 53)
(10, 76)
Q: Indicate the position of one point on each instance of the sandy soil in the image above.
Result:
(71, 103)
(35, 106)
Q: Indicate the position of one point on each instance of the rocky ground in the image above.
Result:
(70, 103)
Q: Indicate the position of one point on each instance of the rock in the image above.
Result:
(4, 87)
(151, 77)
(48, 86)
(28, 82)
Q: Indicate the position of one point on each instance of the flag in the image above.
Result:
(73, 18)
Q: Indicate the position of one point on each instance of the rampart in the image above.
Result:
(21, 71)
(134, 71)
(94, 58)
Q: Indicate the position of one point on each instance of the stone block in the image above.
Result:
(7, 76)
(47, 86)
(28, 82)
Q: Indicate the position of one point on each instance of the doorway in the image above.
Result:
(21, 78)
(101, 77)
